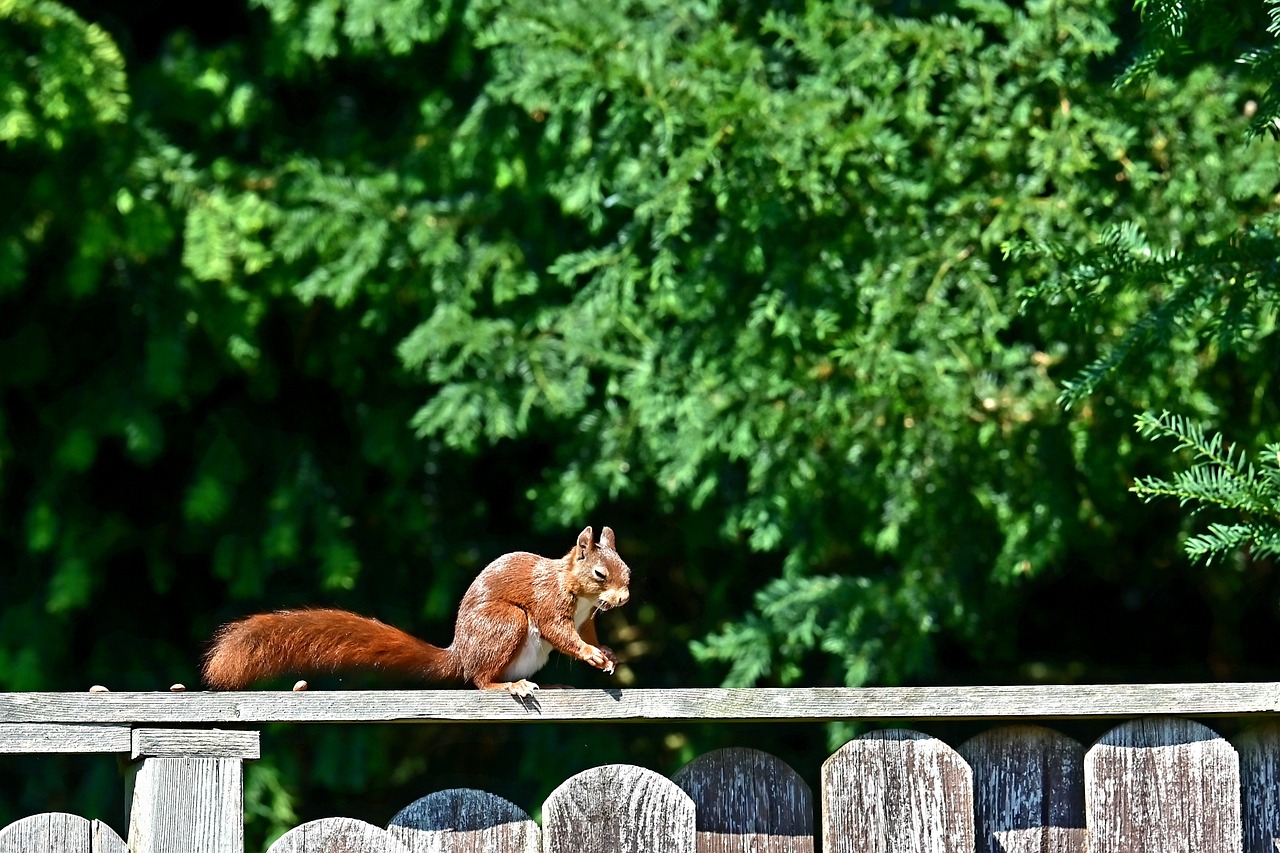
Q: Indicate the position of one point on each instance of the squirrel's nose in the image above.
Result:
(615, 598)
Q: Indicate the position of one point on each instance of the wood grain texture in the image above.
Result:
(55, 832)
(1259, 750)
(337, 835)
(188, 805)
(748, 800)
(58, 832)
(619, 808)
(105, 839)
(817, 703)
(33, 738)
(464, 820)
(1162, 784)
(897, 791)
(1028, 784)
(209, 743)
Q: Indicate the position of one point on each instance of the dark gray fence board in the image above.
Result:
(1259, 750)
(1028, 784)
(747, 799)
(464, 820)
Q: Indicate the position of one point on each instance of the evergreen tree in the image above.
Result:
(1217, 294)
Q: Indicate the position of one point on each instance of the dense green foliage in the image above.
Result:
(1220, 293)
(333, 301)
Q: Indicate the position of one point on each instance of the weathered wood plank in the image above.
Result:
(195, 805)
(207, 743)
(1163, 784)
(32, 738)
(464, 820)
(105, 839)
(1028, 785)
(337, 835)
(897, 791)
(748, 800)
(54, 832)
(620, 808)
(59, 832)
(1259, 749)
(819, 703)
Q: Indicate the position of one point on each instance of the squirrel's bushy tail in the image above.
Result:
(319, 641)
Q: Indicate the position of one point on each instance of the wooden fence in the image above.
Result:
(1157, 782)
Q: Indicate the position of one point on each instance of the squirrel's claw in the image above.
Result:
(523, 688)
(601, 658)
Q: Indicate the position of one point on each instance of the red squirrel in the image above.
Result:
(517, 609)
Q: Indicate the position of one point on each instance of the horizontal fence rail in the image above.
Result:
(1236, 699)
(1156, 782)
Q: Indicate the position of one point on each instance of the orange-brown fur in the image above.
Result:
(491, 637)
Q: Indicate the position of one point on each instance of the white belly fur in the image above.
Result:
(534, 651)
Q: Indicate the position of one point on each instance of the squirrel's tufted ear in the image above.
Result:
(606, 538)
(585, 542)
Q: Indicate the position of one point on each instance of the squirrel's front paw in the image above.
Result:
(599, 658)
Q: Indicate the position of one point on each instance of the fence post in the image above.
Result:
(1163, 784)
(897, 791)
(188, 795)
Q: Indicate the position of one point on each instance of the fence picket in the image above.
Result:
(748, 800)
(1259, 748)
(337, 835)
(464, 820)
(59, 832)
(620, 808)
(896, 791)
(1163, 784)
(1028, 784)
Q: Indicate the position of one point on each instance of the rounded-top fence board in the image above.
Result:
(748, 800)
(897, 791)
(337, 835)
(1259, 749)
(619, 808)
(59, 832)
(464, 820)
(1028, 786)
(1162, 784)
(802, 703)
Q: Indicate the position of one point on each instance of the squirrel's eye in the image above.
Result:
(598, 573)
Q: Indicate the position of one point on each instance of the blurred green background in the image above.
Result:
(839, 313)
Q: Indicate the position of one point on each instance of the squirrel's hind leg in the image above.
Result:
(512, 651)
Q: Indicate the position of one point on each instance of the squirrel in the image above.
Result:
(517, 609)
